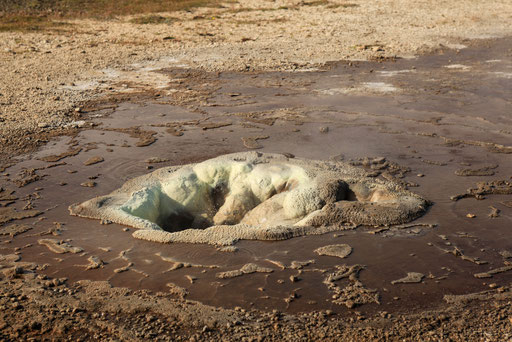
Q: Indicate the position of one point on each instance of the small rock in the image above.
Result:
(88, 184)
(294, 279)
(94, 160)
(154, 160)
(412, 277)
(506, 254)
(339, 250)
(13, 272)
(191, 278)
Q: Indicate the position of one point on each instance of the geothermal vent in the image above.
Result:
(252, 196)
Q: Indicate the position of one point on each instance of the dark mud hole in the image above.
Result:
(430, 119)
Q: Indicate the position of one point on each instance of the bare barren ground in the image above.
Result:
(51, 78)
(46, 75)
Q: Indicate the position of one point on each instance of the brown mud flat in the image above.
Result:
(414, 122)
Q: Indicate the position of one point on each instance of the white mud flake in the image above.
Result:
(365, 87)
(246, 269)
(276, 263)
(252, 142)
(392, 73)
(123, 255)
(380, 87)
(415, 228)
(94, 263)
(175, 264)
(10, 214)
(456, 251)
(411, 277)
(298, 265)
(333, 91)
(191, 278)
(155, 160)
(502, 74)
(11, 266)
(124, 268)
(59, 246)
(490, 273)
(228, 249)
(458, 67)
(15, 229)
(455, 46)
(495, 212)
(339, 250)
(94, 160)
(291, 297)
(506, 254)
(355, 293)
(9, 258)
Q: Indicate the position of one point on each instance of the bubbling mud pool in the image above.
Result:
(252, 196)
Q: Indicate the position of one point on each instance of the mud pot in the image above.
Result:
(437, 127)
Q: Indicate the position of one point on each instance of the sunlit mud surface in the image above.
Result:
(437, 125)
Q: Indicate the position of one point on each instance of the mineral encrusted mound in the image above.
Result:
(252, 196)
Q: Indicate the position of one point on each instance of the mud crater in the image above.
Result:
(252, 196)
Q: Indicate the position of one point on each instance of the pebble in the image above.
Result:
(294, 279)
(93, 160)
(88, 184)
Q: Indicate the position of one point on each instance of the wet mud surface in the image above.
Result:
(438, 125)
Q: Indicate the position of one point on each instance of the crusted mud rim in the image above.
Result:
(252, 196)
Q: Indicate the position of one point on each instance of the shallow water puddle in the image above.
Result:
(441, 121)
